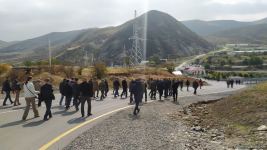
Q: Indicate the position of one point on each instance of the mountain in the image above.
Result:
(204, 28)
(165, 37)
(254, 34)
(3, 44)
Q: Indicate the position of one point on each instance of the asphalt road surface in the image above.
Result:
(34, 133)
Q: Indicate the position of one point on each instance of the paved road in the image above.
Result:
(34, 133)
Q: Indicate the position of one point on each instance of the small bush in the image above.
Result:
(99, 70)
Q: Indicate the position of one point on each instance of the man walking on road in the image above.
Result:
(124, 88)
(175, 87)
(187, 84)
(61, 90)
(68, 93)
(138, 92)
(116, 86)
(16, 89)
(7, 89)
(87, 93)
(46, 95)
(195, 86)
(30, 95)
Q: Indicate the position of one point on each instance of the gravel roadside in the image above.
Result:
(154, 128)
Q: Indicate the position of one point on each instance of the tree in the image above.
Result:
(99, 70)
(155, 59)
(27, 63)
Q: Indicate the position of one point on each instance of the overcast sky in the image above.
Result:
(24, 19)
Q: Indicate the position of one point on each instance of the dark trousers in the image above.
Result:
(153, 94)
(116, 92)
(195, 91)
(106, 93)
(68, 101)
(61, 99)
(187, 88)
(48, 104)
(7, 97)
(145, 95)
(131, 97)
(175, 95)
(136, 108)
(102, 96)
(76, 101)
(124, 92)
(160, 94)
(88, 100)
(165, 93)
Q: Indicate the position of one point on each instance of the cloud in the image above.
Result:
(23, 19)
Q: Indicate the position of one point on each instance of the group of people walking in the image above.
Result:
(77, 93)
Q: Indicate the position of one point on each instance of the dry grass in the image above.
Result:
(238, 115)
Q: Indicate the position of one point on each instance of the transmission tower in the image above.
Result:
(136, 53)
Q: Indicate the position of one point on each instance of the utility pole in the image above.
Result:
(50, 56)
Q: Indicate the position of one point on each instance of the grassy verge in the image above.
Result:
(238, 116)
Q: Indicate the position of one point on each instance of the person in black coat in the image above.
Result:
(76, 94)
(7, 89)
(195, 86)
(175, 87)
(16, 89)
(181, 84)
(160, 88)
(68, 93)
(116, 86)
(106, 88)
(86, 90)
(166, 88)
(187, 84)
(46, 95)
(61, 90)
(131, 85)
(138, 92)
(153, 89)
(124, 88)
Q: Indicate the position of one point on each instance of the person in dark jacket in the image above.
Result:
(61, 90)
(181, 84)
(153, 89)
(160, 88)
(86, 89)
(166, 88)
(175, 87)
(200, 83)
(116, 86)
(68, 93)
(187, 83)
(7, 89)
(106, 88)
(138, 94)
(16, 87)
(124, 88)
(102, 89)
(131, 90)
(76, 94)
(46, 95)
(195, 86)
(145, 90)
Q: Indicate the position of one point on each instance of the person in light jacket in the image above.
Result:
(30, 95)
